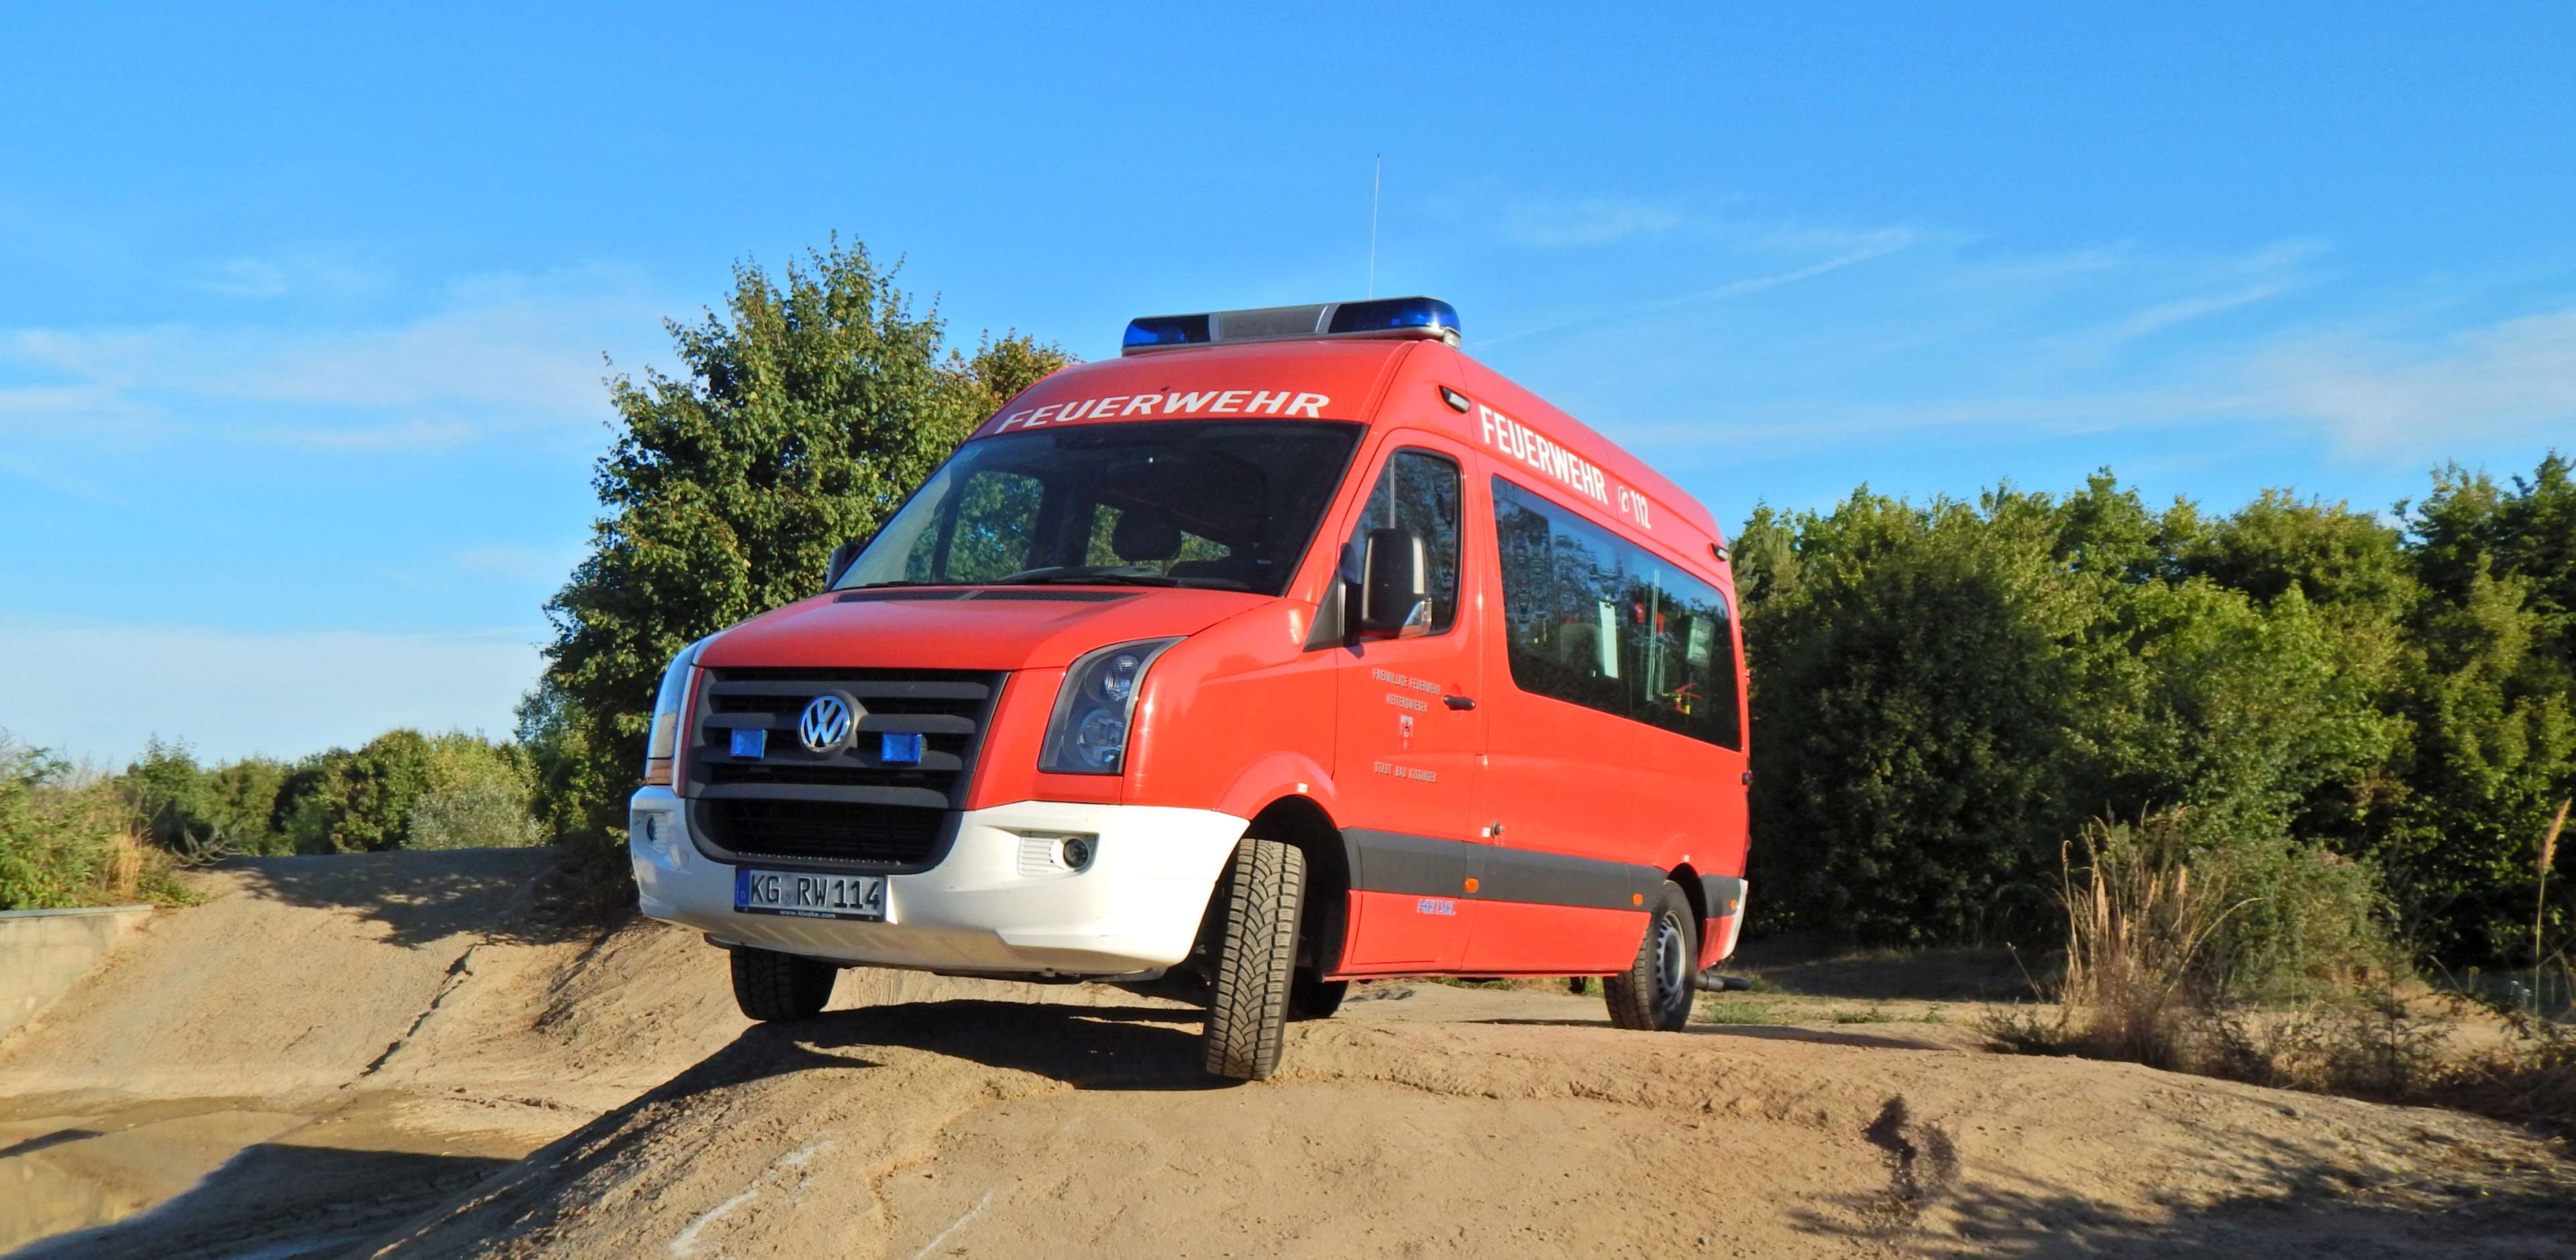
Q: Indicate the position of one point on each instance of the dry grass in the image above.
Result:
(2137, 923)
(2142, 985)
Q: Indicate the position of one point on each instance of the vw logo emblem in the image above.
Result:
(827, 721)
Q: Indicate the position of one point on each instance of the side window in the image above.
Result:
(1595, 621)
(1562, 602)
(1419, 491)
(988, 538)
(1679, 636)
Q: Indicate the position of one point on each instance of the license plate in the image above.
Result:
(808, 896)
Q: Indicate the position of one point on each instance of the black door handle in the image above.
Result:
(1459, 702)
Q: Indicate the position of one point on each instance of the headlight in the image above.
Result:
(664, 738)
(1093, 713)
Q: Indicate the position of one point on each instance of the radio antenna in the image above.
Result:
(1377, 180)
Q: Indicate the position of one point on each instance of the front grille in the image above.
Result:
(850, 804)
(890, 835)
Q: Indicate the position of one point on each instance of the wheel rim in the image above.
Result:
(1672, 962)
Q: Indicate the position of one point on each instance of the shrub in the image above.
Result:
(200, 813)
(2171, 928)
(70, 839)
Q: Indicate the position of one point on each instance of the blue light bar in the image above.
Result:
(1157, 332)
(1414, 317)
(1430, 315)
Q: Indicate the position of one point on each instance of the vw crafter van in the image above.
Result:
(1289, 648)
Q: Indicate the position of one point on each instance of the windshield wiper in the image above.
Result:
(1076, 578)
(878, 586)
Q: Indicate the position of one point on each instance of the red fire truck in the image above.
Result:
(1289, 648)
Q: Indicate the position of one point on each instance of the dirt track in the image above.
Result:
(350, 1056)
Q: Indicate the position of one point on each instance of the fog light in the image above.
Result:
(1077, 852)
(657, 836)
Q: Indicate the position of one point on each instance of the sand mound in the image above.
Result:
(986, 1129)
(352, 1055)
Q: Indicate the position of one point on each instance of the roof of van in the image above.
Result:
(1351, 379)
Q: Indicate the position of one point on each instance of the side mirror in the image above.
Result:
(843, 557)
(1395, 585)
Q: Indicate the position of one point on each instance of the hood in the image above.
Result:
(1009, 627)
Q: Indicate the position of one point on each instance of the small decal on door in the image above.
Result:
(1435, 905)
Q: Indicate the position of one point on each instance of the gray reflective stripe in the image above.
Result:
(1392, 861)
(1421, 866)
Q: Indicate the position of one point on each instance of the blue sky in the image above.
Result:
(302, 311)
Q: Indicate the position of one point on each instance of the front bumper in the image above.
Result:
(1000, 901)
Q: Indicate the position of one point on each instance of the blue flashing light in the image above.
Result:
(1405, 317)
(900, 748)
(750, 741)
(1155, 332)
(1394, 314)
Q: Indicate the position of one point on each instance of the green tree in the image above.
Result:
(1911, 668)
(1944, 693)
(804, 415)
(2491, 691)
(478, 798)
(359, 802)
(196, 810)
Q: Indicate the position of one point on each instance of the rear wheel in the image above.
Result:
(1256, 959)
(1654, 993)
(771, 987)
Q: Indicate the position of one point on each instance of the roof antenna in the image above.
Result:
(1376, 181)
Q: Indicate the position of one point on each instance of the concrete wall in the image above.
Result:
(44, 952)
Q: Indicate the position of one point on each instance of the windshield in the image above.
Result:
(1217, 504)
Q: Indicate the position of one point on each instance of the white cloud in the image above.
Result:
(2375, 395)
(501, 354)
(245, 278)
(1587, 221)
(2380, 394)
(106, 686)
(525, 564)
(310, 273)
(1859, 248)
(2164, 315)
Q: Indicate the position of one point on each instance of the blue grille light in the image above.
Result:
(1388, 314)
(1155, 332)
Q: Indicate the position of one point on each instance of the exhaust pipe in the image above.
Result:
(1711, 982)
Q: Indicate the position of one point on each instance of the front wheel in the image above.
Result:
(1654, 993)
(1256, 959)
(773, 987)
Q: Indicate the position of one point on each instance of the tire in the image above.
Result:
(1312, 998)
(1256, 959)
(774, 988)
(1654, 994)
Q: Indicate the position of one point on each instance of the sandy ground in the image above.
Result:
(390, 1055)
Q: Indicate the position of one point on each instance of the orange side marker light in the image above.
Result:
(1471, 883)
(1636, 899)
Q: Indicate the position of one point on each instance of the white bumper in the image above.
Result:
(999, 901)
